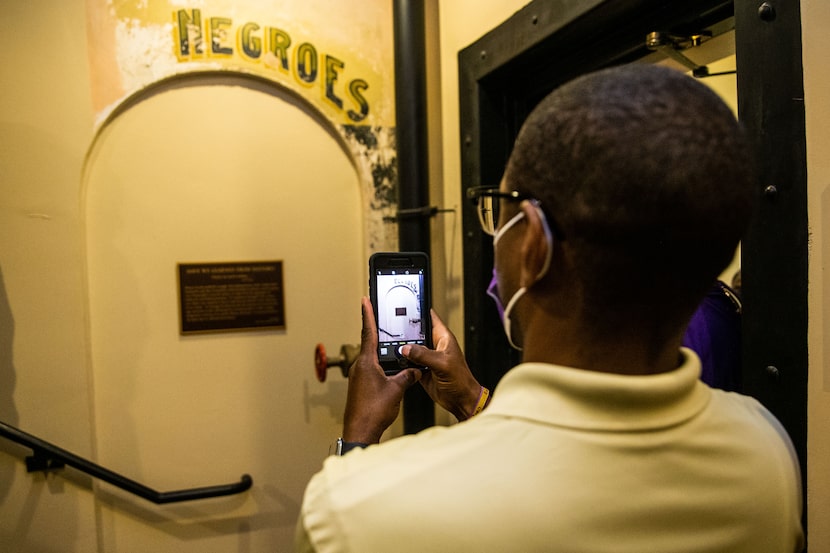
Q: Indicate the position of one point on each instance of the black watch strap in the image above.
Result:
(344, 447)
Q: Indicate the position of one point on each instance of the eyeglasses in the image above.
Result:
(487, 204)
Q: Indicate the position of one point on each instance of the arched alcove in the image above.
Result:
(217, 169)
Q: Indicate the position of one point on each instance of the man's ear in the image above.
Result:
(535, 246)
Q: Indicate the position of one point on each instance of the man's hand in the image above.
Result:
(374, 399)
(449, 381)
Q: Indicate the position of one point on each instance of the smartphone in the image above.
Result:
(400, 290)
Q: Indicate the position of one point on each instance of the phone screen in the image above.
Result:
(400, 295)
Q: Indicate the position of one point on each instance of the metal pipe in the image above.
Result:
(413, 162)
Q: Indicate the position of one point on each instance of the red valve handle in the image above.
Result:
(320, 362)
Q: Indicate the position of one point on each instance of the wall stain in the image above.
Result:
(375, 152)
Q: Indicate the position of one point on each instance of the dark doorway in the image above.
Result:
(506, 72)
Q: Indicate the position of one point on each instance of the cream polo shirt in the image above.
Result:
(574, 461)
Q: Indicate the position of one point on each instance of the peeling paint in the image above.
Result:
(374, 150)
(377, 146)
(143, 53)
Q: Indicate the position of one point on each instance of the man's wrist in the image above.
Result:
(469, 406)
(483, 400)
(342, 447)
(364, 427)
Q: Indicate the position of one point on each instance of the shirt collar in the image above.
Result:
(590, 400)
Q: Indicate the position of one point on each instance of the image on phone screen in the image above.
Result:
(400, 309)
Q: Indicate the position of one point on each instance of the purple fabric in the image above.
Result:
(714, 333)
(493, 292)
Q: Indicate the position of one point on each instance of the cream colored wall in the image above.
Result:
(184, 411)
(45, 128)
(815, 18)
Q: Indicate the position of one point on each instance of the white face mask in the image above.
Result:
(521, 291)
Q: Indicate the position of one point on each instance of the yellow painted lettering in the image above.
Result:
(306, 62)
(252, 41)
(278, 43)
(333, 65)
(250, 45)
(218, 36)
(188, 33)
(356, 87)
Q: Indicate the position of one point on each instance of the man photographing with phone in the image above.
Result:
(625, 196)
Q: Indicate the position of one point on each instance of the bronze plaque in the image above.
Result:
(216, 297)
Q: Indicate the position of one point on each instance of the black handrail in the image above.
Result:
(48, 457)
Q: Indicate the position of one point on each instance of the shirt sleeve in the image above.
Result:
(302, 543)
(318, 528)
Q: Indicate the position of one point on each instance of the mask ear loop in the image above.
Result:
(548, 238)
(545, 266)
(505, 313)
(507, 226)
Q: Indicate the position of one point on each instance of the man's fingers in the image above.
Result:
(437, 323)
(441, 335)
(406, 377)
(369, 334)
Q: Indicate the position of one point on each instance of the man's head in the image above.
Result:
(646, 173)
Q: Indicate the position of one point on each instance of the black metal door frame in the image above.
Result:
(507, 71)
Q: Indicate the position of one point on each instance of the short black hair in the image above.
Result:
(649, 175)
